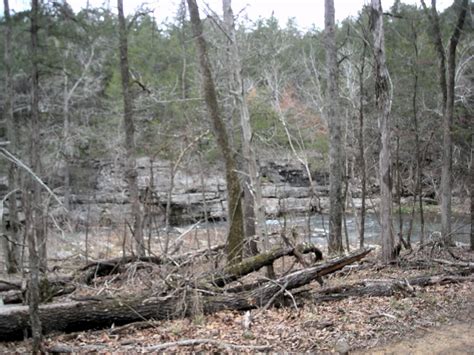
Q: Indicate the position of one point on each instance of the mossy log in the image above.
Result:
(255, 263)
(83, 315)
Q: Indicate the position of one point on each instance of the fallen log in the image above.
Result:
(18, 283)
(255, 263)
(54, 290)
(385, 288)
(111, 266)
(83, 315)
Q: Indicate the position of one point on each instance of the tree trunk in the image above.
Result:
(67, 143)
(130, 169)
(399, 188)
(10, 247)
(34, 219)
(253, 190)
(447, 86)
(446, 174)
(361, 147)
(419, 169)
(472, 191)
(235, 235)
(82, 315)
(336, 154)
(382, 93)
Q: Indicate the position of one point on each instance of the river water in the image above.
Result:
(319, 225)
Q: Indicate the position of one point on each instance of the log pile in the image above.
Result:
(209, 292)
(103, 312)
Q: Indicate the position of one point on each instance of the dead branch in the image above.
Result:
(255, 263)
(82, 315)
(385, 288)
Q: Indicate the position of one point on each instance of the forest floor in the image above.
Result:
(433, 320)
(453, 339)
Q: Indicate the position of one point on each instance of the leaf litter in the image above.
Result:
(355, 323)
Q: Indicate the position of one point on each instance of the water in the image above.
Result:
(319, 225)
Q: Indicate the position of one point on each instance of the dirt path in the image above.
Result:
(447, 340)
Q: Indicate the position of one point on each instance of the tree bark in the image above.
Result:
(472, 191)
(383, 99)
(17, 282)
(447, 168)
(363, 169)
(234, 272)
(336, 154)
(447, 85)
(82, 315)
(235, 234)
(34, 219)
(129, 127)
(254, 209)
(10, 247)
(419, 162)
(385, 288)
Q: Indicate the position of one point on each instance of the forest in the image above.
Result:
(219, 183)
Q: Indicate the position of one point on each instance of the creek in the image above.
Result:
(319, 226)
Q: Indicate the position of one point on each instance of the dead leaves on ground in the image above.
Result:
(359, 323)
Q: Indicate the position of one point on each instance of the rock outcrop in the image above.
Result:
(100, 194)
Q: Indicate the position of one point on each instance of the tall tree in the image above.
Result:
(253, 191)
(69, 88)
(471, 191)
(447, 73)
(383, 101)
(10, 245)
(363, 170)
(34, 216)
(130, 150)
(235, 235)
(336, 154)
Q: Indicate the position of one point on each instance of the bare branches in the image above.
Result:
(10, 157)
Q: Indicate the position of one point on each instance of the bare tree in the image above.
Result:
(383, 99)
(34, 217)
(130, 162)
(336, 154)
(471, 188)
(10, 245)
(419, 160)
(69, 89)
(235, 235)
(363, 170)
(446, 82)
(254, 188)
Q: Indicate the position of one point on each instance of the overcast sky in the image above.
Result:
(305, 12)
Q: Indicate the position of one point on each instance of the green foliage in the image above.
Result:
(283, 68)
(266, 124)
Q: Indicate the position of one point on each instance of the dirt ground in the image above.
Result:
(446, 340)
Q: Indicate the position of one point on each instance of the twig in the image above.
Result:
(10, 157)
(218, 343)
(269, 303)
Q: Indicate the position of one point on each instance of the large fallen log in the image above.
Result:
(255, 263)
(47, 294)
(18, 283)
(82, 315)
(385, 288)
